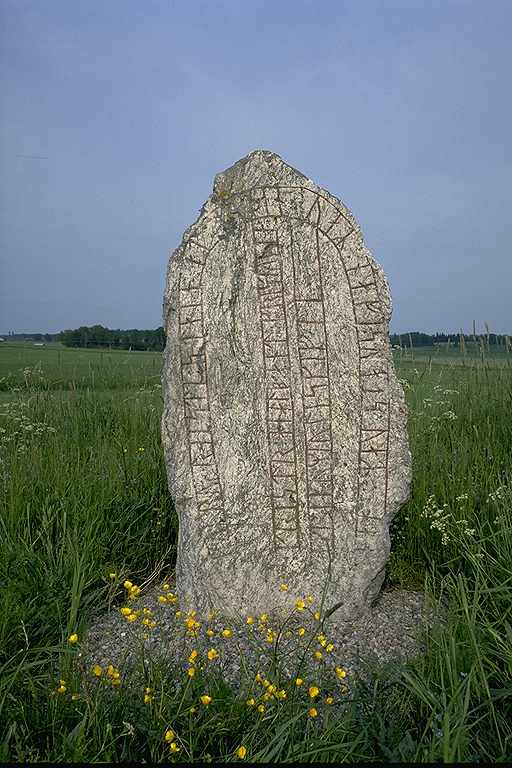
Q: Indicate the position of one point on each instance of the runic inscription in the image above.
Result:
(280, 421)
(284, 424)
(196, 405)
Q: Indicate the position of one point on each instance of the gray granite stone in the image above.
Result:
(284, 425)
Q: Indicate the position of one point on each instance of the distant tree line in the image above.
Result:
(98, 336)
(418, 339)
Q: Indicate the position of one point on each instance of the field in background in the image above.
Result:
(83, 492)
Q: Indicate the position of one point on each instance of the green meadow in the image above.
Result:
(83, 495)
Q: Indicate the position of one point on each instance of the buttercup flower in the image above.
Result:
(283, 587)
(312, 712)
(301, 632)
(169, 735)
(227, 632)
(314, 691)
(300, 605)
(205, 699)
(72, 639)
(241, 752)
(299, 681)
(212, 654)
(249, 620)
(191, 671)
(340, 673)
(97, 670)
(174, 747)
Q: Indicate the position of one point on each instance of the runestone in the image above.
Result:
(284, 424)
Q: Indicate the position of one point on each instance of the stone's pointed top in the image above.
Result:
(259, 168)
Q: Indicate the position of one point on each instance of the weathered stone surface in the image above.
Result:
(284, 424)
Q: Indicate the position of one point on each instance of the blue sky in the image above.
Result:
(401, 109)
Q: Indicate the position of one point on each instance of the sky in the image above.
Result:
(117, 114)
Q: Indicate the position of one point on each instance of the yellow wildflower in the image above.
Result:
(169, 735)
(62, 688)
(75, 696)
(193, 656)
(127, 584)
(125, 610)
(258, 678)
(281, 694)
(250, 620)
(97, 670)
(312, 712)
(174, 747)
(314, 691)
(317, 615)
(112, 575)
(210, 632)
(329, 700)
(301, 632)
(340, 673)
(270, 637)
(299, 681)
(283, 587)
(250, 702)
(162, 599)
(300, 605)
(212, 654)
(132, 617)
(72, 639)
(329, 647)
(192, 624)
(271, 689)
(206, 700)
(261, 708)
(191, 671)
(322, 640)
(178, 614)
(241, 752)
(227, 632)
(264, 618)
(310, 599)
(318, 655)
(166, 587)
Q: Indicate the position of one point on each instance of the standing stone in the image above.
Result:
(284, 424)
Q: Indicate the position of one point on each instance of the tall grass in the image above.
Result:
(84, 492)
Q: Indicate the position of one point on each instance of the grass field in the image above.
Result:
(84, 494)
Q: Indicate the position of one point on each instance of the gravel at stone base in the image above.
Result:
(390, 633)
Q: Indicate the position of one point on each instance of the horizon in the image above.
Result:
(118, 116)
